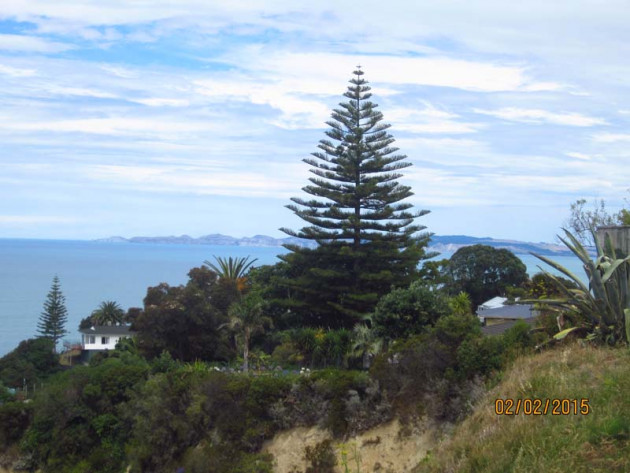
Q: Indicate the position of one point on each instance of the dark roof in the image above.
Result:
(107, 330)
(508, 311)
(498, 329)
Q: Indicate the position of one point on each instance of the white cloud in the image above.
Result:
(119, 71)
(611, 137)
(16, 72)
(146, 126)
(478, 76)
(296, 111)
(161, 102)
(428, 120)
(538, 116)
(33, 44)
(445, 146)
(580, 156)
(196, 179)
(80, 92)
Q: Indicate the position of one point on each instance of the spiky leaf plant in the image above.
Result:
(606, 300)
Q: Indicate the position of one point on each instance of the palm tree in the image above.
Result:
(246, 318)
(108, 313)
(233, 269)
(365, 344)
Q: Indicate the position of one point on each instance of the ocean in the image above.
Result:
(93, 272)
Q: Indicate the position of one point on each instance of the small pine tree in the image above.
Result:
(53, 319)
(367, 239)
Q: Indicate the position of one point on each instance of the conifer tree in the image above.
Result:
(53, 319)
(367, 239)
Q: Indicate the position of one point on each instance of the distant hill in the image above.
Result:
(440, 243)
(451, 243)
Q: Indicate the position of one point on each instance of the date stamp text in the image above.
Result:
(542, 407)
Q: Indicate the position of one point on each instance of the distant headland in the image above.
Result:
(440, 243)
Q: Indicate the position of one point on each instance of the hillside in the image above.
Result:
(597, 442)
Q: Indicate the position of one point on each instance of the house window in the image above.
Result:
(104, 340)
(91, 339)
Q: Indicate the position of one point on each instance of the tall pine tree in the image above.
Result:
(367, 239)
(53, 319)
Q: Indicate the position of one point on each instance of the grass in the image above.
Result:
(598, 442)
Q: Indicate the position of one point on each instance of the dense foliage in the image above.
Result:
(79, 421)
(29, 364)
(186, 320)
(367, 240)
(408, 311)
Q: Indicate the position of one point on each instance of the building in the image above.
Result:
(103, 337)
(497, 316)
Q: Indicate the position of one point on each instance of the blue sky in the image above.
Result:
(159, 118)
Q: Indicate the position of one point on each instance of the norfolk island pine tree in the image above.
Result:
(367, 238)
(53, 318)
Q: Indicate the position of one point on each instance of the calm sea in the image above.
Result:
(92, 272)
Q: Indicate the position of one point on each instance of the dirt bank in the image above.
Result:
(387, 448)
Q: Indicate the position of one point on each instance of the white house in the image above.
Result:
(103, 337)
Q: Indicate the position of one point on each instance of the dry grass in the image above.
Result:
(598, 442)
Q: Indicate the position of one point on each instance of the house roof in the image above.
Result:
(493, 303)
(498, 329)
(107, 330)
(510, 311)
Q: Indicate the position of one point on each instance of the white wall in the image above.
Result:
(111, 341)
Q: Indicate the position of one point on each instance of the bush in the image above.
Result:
(287, 355)
(318, 348)
(77, 417)
(406, 312)
(177, 411)
(224, 458)
(434, 372)
(15, 417)
(479, 357)
(33, 360)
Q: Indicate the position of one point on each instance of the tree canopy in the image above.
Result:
(367, 239)
(484, 272)
(185, 320)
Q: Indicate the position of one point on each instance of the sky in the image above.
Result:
(135, 117)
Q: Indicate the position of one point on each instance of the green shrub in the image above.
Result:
(15, 417)
(479, 357)
(163, 363)
(224, 458)
(440, 365)
(287, 355)
(408, 311)
(33, 360)
(77, 417)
